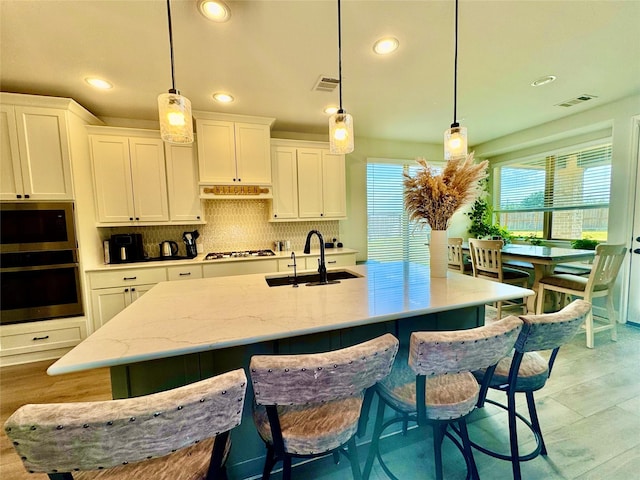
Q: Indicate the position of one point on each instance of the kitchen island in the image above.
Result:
(180, 332)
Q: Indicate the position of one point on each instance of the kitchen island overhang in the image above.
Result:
(181, 318)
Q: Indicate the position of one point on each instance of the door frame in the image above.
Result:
(634, 171)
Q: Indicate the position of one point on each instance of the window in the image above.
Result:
(560, 196)
(390, 235)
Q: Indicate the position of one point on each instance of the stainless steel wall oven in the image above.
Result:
(39, 271)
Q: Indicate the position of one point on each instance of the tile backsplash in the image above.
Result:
(233, 225)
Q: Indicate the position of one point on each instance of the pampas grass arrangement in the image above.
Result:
(433, 199)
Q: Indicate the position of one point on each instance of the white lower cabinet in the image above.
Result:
(113, 291)
(187, 272)
(44, 340)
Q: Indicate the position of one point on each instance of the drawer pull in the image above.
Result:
(129, 278)
(185, 274)
(332, 261)
(40, 338)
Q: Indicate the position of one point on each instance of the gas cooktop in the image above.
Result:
(239, 254)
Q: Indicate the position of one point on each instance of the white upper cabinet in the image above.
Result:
(35, 156)
(233, 149)
(129, 177)
(308, 182)
(284, 171)
(182, 183)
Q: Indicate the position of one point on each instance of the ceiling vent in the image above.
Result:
(326, 84)
(576, 101)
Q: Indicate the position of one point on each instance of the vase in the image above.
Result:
(438, 262)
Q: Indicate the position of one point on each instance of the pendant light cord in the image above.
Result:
(173, 79)
(455, 72)
(340, 56)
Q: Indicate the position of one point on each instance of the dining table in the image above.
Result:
(543, 260)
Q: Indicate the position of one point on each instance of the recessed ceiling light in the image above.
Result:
(386, 45)
(543, 80)
(223, 97)
(214, 10)
(98, 83)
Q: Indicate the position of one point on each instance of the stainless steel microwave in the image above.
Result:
(36, 226)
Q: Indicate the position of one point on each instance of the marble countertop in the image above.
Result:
(199, 260)
(178, 318)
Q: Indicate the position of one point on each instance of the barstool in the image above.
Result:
(434, 385)
(179, 434)
(309, 405)
(525, 370)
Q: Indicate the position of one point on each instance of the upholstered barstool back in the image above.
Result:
(486, 261)
(604, 271)
(527, 371)
(124, 435)
(310, 404)
(434, 384)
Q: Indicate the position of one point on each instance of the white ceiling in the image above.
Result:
(270, 54)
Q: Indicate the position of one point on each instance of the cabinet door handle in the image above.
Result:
(129, 278)
(41, 338)
(126, 289)
(131, 218)
(26, 196)
(185, 274)
(18, 196)
(239, 179)
(133, 289)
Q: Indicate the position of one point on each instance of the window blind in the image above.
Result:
(577, 180)
(563, 195)
(390, 235)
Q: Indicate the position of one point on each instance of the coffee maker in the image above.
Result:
(189, 239)
(125, 248)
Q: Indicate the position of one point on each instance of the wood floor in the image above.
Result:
(22, 384)
(589, 411)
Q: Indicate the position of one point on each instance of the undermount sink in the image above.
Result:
(311, 278)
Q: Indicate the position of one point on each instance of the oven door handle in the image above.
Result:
(40, 267)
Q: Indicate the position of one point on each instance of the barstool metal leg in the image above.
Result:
(533, 414)
(375, 439)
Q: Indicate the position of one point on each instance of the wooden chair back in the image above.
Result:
(455, 258)
(606, 266)
(486, 258)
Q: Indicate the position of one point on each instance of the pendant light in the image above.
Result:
(176, 124)
(340, 123)
(455, 138)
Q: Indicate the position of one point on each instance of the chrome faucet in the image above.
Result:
(322, 268)
(294, 265)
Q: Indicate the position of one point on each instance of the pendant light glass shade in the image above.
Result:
(176, 124)
(341, 133)
(455, 137)
(455, 142)
(340, 123)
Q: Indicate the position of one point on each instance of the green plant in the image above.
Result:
(584, 243)
(533, 240)
(481, 224)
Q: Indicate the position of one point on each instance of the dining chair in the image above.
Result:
(526, 371)
(309, 405)
(599, 283)
(486, 262)
(455, 257)
(178, 434)
(432, 384)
